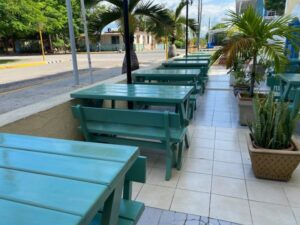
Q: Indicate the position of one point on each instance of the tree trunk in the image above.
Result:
(6, 43)
(253, 74)
(134, 59)
(172, 49)
(50, 43)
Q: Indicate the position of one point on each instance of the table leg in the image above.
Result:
(286, 92)
(184, 120)
(111, 207)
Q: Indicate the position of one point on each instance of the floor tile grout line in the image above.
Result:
(212, 177)
(251, 215)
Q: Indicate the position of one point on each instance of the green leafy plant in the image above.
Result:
(274, 123)
(257, 37)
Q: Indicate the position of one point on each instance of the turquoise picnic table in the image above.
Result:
(160, 95)
(195, 58)
(46, 181)
(190, 77)
(195, 64)
(288, 82)
(200, 54)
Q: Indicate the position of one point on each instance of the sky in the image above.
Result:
(213, 9)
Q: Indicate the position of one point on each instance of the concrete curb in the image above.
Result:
(23, 65)
(34, 81)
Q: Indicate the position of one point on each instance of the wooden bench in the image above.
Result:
(130, 212)
(294, 106)
(148, 129)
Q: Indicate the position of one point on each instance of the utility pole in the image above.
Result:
(86, 37)
(200, 5)
(72, 42)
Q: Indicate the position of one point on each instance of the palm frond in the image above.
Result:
(179, 9)
(149, 9)
(103, 19)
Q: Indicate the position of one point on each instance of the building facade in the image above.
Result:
(242, 5)
(293, 8)
(113, 41)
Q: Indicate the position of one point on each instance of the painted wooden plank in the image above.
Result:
(13, 213)
(142, 93)
(82, 169)
(110, 152)
(59, 194)
(167, 72)
(293, 78)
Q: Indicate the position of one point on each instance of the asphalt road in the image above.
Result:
(104, 66)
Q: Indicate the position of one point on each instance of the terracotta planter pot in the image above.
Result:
(274, 164)
(246, 114)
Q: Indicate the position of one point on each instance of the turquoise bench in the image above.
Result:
(294, 106)
(130, 212)
(148, 129)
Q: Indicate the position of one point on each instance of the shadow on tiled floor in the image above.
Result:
(216, 180)
(156, 216)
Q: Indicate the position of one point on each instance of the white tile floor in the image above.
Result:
(216, 179)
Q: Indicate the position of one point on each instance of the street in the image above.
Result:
(59, 76)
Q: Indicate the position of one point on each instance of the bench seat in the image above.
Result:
(134, 131)
(148, 129)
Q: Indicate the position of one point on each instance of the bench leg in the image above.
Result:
(187, 140)
(169, 164)
(179, 157)
(127, 191)
(174, 155)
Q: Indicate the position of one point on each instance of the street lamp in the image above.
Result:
(187, 26)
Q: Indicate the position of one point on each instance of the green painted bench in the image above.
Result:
(94, 173)
(148, 129)
(294, 106)
(129, 214)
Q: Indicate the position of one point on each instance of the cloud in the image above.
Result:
(213, 9)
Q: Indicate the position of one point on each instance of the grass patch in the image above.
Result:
(5, 61)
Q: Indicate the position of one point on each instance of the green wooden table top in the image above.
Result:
(198, 56)
(292, 78)
(167, 72)
(192, 59)
(136, 93)
(186, 63)
(50, 181)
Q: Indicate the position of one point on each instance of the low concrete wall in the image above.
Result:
(50, 118)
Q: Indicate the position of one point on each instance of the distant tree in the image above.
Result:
(137, 9)
(276, 5)
(18, 19)
(24, 18)
(174, 27)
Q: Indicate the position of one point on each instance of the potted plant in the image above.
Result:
(235, 72)
(274, 153)
(257, 38)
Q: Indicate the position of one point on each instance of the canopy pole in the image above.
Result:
(127, 40)
(186, 28)
(86, 37)
(72, 42)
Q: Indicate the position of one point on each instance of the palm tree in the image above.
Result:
(257, 38)
(173, 27)
(137, 9)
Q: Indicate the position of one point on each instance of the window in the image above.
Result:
(115, 40)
